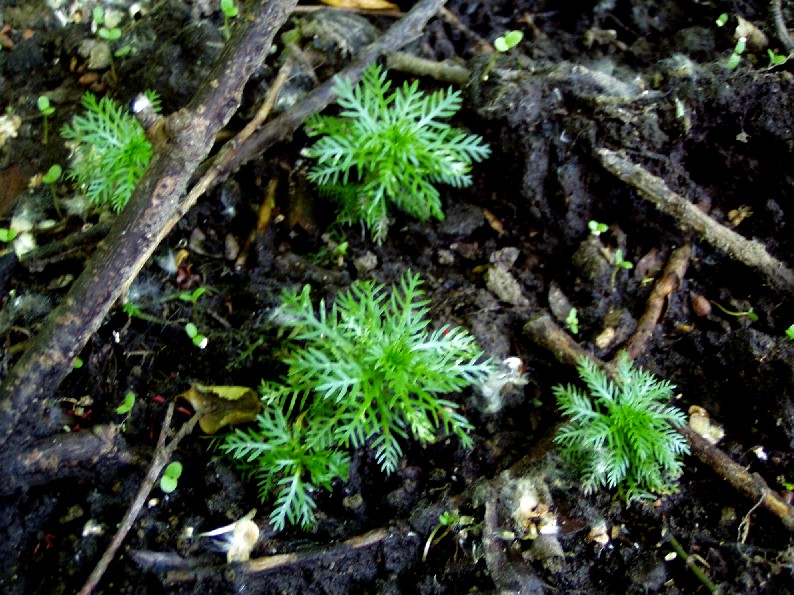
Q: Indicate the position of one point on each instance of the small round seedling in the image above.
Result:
(508, 41)
(53, 174)
(170, 478)
(198, 339)
(126, 405)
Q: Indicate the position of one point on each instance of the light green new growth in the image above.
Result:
(390, 149)
(622, 433)
(110, 150)
(365, 372)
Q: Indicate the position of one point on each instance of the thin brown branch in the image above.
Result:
(689, 218)
(145, 221)
(187, 571)
(162, 455)
(671, 279)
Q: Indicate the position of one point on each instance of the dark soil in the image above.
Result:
(646, 78)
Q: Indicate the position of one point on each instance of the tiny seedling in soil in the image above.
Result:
(619, 264)
(596, 228)
(790, 332)
(193, 296)
(7, 235)
(229, 11)
(389, 149)
(125, 408)
(447, 522)
(738, 50)
(170, 478)
(776, 59)
(198, 339)
(502, 44)
(621, 432)
(749, 314)
(46, 111)
(572, 321)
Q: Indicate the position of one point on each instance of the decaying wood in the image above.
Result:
(143, 223)
(689, 218)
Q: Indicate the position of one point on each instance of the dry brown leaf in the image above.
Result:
(219, 406)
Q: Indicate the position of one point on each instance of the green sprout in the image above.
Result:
(776, 59)
(508, 41)
(619, 264)
(229, 12)
(7, 235)
(572, 321)
(447, 522)
(790, 332)
(722, 19)
(502, 44)
(198, 339)
(170, 478)
(126, 408)
(46, 111)
(596, 228)
(388, 149)
(50, 178)
(622, 434)
(78, 363)
(749, 313)
(736, 55)
(111, 150)
(366, 372)
(192, 296)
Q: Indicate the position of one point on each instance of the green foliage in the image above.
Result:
(390, 149)
(790, 333)
(111, 151)
(622, 434)
(126, 405)
(53, 174)
(366, 371)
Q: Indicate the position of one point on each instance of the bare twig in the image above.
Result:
(446, 72)
(690, 218)
(398, 35)
(671, 279)
(145, 221)
(162, 455)
(187, 571)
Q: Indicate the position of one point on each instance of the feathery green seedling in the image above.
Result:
(389, 149)
(110, 150)
(622, 434)
(364, 372)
